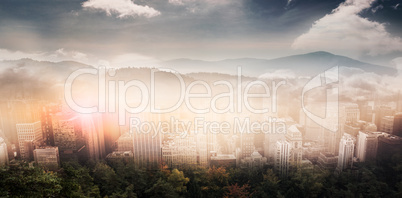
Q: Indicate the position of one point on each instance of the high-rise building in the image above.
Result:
(367, 112)
(387, 124)
(93, 134)
(180, 151)
(147, 149)
(270, 141)
(3, 153)
(13, 112)
(346, 152)
(294, 137)
(367, 145)
(247, 144)
(352, 113)
(382, 111)
(47, 157)
(397, 127)
(47, 125)
(282, 155)
(28, 132)
(202, 150)
(67, 131)
(388, 146)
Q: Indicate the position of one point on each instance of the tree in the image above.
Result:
(107, 180)
(178, 181)
(161, 189)
(235, 191)
(20, 180)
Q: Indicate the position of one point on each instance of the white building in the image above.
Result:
(282, 156)
(28, 132)
(294, 137)
(3, 153)
(346, 152)
(180, 151)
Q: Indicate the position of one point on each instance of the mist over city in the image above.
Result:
(200, 98)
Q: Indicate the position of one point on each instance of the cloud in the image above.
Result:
(345, 32)
(395, 7)
(122, 8)
(374, 10)
(132, 60)
(52, 56)
(279, 74)
(197, 6)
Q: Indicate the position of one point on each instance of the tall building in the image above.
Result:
(13, 112)
(387, 124)
(388, 146)
(397, 127)
(3, 153)
(367, 145)
(47, 125)
(282, 155)
(147, 149)
(180, 151)
(67, 131)
(47, 157)
(346, 152)
(202, 150)
(382, 111)
(93, 134)
(367, 112)
(28, 132)
(294, 137)
(270, 141)
(352, 113)
(247, 144)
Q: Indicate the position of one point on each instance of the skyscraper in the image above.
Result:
(178, 151)
(67, 131)
(247, 144)
(47, 125)
(397, 125)
(282, 156)
(28, 132)
(367, 145)
(93, 134)
(294, 137)
(346, 152)
(382, 111)
(3, 153)
(387, 124)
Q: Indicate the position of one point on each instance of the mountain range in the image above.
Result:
(303, 65)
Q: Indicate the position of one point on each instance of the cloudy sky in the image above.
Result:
(144, 31)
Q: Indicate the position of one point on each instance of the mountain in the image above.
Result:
(303, 65)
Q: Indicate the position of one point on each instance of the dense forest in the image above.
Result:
(120, 179)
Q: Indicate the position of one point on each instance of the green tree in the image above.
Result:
(178, 181)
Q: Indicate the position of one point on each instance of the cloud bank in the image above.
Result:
(122, 8)
(344, 31)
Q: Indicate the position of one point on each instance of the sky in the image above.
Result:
(147, 31)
